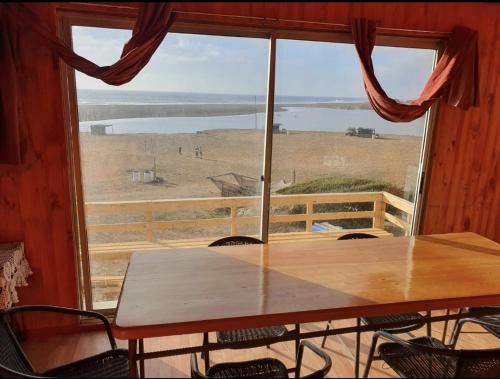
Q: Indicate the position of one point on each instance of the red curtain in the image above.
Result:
(153, 22)
(454, 79)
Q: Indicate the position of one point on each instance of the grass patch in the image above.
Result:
(340, 184)
(333, 184)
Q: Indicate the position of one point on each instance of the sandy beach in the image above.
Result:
(108, 161)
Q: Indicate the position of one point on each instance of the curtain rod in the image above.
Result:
(342, 27)
(382, 30)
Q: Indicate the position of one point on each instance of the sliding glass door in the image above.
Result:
(337, 166)
(174, 158)
(179, 156)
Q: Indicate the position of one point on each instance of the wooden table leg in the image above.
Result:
(132, 361)
(207, 353)
(358, 347)
(141, 360)
(429, 325)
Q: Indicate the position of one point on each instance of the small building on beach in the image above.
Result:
(99, 129)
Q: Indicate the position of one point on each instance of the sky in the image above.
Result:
(233, 65)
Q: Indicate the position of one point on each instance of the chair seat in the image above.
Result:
(110, 364)
(242, 335)
(260, 368)
(490, 319)
(412, 364)
(417, 317)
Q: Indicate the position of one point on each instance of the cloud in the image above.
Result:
(102, 51)
(183, 50)
(200, 63)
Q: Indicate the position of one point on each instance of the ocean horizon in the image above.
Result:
(294, 118)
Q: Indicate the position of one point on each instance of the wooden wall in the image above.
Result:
(463, 193)
(34, 196)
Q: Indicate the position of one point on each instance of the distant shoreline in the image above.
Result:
(92, 112)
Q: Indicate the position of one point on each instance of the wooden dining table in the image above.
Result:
(198, 290)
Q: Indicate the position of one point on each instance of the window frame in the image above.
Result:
(122, 17)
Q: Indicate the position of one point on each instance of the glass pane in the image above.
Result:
(173, 158)
(341, 165)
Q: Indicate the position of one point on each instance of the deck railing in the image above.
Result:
(147, 208)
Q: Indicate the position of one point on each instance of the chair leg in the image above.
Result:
(325, 336)
(445, 328)
(429, 325)
(358, 348)
(456, 331)
(371, 354)
(297, 339)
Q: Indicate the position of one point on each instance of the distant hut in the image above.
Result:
(98, 129)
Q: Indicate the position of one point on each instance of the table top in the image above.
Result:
(182, 291)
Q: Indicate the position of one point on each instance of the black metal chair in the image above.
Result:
(246, 335)
(236, 240)
(427, 357)
(14, 363)
(490, 323)
(262, 368)
(417, 318)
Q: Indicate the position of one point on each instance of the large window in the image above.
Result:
(176, 157)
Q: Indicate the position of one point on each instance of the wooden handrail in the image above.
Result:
(147, 207)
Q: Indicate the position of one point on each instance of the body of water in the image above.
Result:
(295, 118)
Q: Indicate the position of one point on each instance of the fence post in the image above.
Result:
(234, 226)
(309, 219)
(379, 218)
(149, 230)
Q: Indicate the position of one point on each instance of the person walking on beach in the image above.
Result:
(180, 150)
(199, 149)
(196, 151)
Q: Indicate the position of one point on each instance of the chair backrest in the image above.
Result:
(236, 240)
(455, 363)
(493, 321)
(356, 236)
(478, 364)
(13, 362)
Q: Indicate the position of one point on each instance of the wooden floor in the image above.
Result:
(50, 352)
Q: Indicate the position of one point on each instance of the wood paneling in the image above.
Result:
(463, 190)
(35, 204)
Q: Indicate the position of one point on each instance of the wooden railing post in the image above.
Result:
(379, 217)
(234, 225)
(309, 217)
(149, 228)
